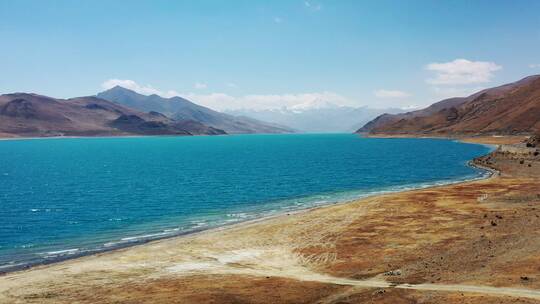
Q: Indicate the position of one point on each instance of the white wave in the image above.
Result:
(142, 237)
(11, 264)
(51, 254)
(171, 230)
(200, 224)
(240, 215)
(111, 244)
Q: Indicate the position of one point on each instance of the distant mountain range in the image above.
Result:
(179, 108)
(509, 109)
(323, 118)
(32, 115)
(505, 110)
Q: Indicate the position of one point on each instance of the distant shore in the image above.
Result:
(313, 248)
(102, 136)
(478, 139)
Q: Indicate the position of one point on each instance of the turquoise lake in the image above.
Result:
(62, 198)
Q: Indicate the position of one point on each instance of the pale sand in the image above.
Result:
(474, 241)
(481, 139)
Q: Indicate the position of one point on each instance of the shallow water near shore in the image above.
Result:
(69, 197)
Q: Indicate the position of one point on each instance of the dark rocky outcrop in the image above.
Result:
(137, 125)
(198, 127)
(533, 141)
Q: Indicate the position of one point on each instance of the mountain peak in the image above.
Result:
(179, 108)
(119, 89)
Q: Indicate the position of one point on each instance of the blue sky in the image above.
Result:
(269, 54)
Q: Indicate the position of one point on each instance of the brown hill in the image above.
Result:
(182, 109)
(509, 109)
(32, 115)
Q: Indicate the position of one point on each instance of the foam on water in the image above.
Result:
(52, 254)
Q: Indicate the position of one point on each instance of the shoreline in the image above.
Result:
(468, 242)
(8, 138)
(100, 136)
(487, 173)
(473, 139)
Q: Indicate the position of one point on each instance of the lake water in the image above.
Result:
(62, 198)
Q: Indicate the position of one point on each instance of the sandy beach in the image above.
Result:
(473, 242)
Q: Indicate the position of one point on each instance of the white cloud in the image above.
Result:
(534, 65)
(200, 86)
(130, 84)
(391, 94)
(278, 20)
(170, 93)
(462, 72)
(134, 86)
(231, 85)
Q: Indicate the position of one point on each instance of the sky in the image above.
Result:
(269, 54)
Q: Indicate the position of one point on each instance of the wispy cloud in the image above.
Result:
(312, 5)
(391, 94)
(462, 72)
(301, 101)
(134, 86)
(411, 107)
(223, 101)
(447, 92)
(200, 85)
(534, 65)
(278, 20)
